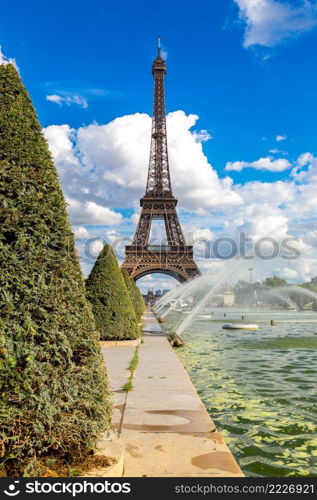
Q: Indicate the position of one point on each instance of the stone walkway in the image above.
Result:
(162, 422)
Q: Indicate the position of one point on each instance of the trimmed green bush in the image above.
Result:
(135, 294)
(53, 388)
(111, 304)
(140, 299)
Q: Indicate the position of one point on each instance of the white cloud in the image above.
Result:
(103, 168)
(273, 194)
(58, 99)
(164, 54)
(201, 234)
(280, 138)
(276, 151)
(135, 218)
(95, 247)
(287, 273)
(84, 207)
(156, 282)
(80, 232)
(88, 212)
(269, 22)
(268, 163)
(310, 238)
(195, 182)
(7, 60)
(273, 226)
(68, 100)
(108, 164)
(305, 170)
(202, 135)
(304, 159)
(60, 139)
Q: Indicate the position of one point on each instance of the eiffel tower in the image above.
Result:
(175, 258)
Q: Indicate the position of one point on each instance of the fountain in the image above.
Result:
(303, 291)
(171, 295)
(188, 287)
(286, 294)
(165, 299)
(181, 327)
(281, 294)
(291, 295)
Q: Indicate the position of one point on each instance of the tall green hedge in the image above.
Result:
(140, 298)
(53, 388)
(111, 304)
(135, 294)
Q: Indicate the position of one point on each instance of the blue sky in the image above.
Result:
(246, 68)
(108, 45)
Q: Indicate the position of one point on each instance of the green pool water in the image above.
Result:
(260, 387)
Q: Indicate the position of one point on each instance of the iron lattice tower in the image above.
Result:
(174, 258)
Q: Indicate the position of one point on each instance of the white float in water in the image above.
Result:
(240, 326)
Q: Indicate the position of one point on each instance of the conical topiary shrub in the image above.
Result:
(140, 299)
(135, 294)
(53, 391)
(111, 304)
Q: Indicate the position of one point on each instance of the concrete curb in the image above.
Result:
(119, 343)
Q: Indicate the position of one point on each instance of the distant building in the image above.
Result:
(215, 301)
(225, 299)
(228, 299)
(190, 299)
(158, 293)
(165, 291)
(150, 297)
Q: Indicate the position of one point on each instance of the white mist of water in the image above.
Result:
(190, 317)
(203, 285)
(287, 293)
(176, 293)
(281, 294)
(187, 288)
(167, 297)
(302, 291)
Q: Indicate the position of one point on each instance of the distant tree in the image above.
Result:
(140, 299)
(111, 303)
(243, 293)
(312, 285)
(53, 388)
(275, 281)
(242, 285)
(135, 294)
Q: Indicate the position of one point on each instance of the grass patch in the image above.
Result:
(135, 360)
(128, 386)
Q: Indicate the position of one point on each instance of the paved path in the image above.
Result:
(165, 427)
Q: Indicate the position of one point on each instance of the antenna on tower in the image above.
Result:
(159, 46)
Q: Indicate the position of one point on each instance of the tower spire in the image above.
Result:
(159, 182)
(158, 46)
